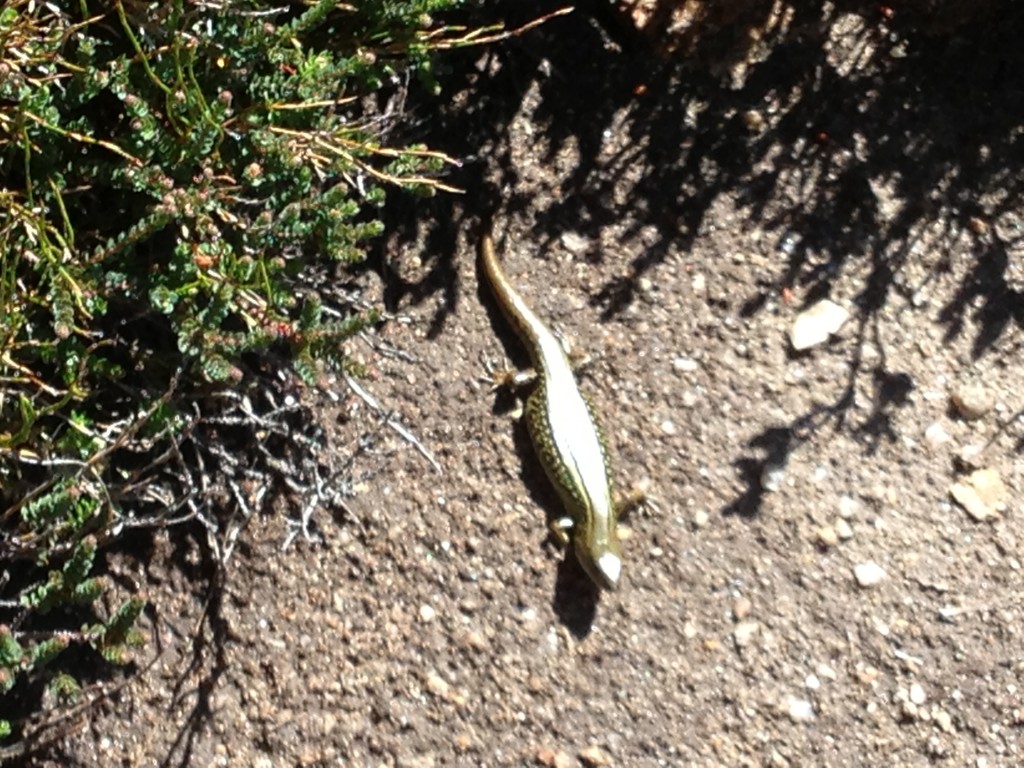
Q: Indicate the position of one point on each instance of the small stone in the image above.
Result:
(741, 608)
(528, 615)
(668, 427)
(943, 720)
(917, 694)
(685, 364)
(772, 477)
(868, 675)
(812, 682)
(594, 757)
(935, 437)
(427, 613)
(574, 243)
(437, 685)
(825, 671)
(990, 488)
(816, 324)
(971, 456)
(800, 710)
(982, 494)
(949, 613)
(843, 530)
(972, 401)
(827, 536)
(700, 518)
(848, 507)
(744, 633)
(868, 574)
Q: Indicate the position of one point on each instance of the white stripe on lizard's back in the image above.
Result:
(574, 433)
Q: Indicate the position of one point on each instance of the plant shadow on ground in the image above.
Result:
(187, 562)
(889, 125)
(207, 639)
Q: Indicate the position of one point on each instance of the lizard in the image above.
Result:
(565, 435)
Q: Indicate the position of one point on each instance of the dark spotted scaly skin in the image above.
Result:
(540, 435)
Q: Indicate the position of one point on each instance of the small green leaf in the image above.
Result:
(65, 688)
(11, 652)
(164, 299)
(44, 652)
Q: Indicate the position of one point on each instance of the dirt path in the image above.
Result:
(673, 220)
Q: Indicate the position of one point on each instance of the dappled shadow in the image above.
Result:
(845, 134)
(986, 290)
(771, 448)
(856, 136)
(207, 639)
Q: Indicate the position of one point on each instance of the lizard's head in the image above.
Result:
(605, 568)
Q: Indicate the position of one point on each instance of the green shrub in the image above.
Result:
(175, 181)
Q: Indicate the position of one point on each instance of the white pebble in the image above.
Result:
(936, 436)
(843, 530)
(575, 243)
(427, 613)
(437, 685)
(772, 477)
(825, 671)
(814, 325)
(685, 364)
(944, 720)
(917, 695)
(800, 710)
(868, 574)
(847, 507)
